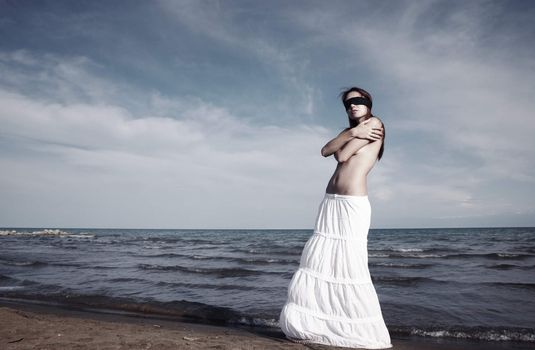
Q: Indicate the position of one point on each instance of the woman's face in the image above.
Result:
(355, 112)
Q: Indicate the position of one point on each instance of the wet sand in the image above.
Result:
(24, 326)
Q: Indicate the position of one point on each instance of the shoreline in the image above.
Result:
(28, 326)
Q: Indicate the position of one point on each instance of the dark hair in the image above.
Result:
(353, 123)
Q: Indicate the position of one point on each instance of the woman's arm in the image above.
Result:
(336, 143)
(371, 130)
(351, 147)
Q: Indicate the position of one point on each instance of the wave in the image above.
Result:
(527, 249)
(126, 279)
(178, 310)
(22, 263)
(6, 278)
(8, 281)
(212, 286)
(205, 286)
(183, 310)
(412, 280)
(46, 233)
(501, 334)
(220, 272)
(399, 249)
(492, 256)
(37, 263)
(266, 261)
(400, 265)
(178, 239)
(284, 251)
(510, 267)
(403, 255)
(403, 281)
(240, 260)
(511, 284)
(160, 255)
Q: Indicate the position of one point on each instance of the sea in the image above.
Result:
(471, 283)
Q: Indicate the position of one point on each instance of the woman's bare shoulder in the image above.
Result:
(375, 122)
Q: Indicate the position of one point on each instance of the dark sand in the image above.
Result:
(32, 326)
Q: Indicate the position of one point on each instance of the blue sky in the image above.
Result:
(212, 114)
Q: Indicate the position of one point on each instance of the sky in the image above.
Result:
(212, 114)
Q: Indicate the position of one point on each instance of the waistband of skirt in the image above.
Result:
(345, 196)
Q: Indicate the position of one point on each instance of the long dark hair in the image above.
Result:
(353, 123)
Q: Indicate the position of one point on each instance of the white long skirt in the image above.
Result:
(331, 297)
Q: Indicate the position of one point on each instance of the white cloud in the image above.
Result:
(187, 148)
(465, 107)
(222, 24)
(100, 152)
(65, 79)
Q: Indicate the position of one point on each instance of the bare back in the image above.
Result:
(349, 178)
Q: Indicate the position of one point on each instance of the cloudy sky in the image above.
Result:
(212, 114)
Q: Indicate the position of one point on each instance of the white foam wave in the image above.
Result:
(407, 250)
(45, 232)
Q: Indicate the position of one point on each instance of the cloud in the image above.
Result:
(187, 148)
(238, 29)
(48, 76)
(463, 109)
(164, 130)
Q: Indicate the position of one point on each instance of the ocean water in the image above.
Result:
(475, 283)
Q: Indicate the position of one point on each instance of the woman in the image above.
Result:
(331, 297)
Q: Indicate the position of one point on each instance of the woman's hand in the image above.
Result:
(365, 130)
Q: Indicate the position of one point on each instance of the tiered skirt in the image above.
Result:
(331, 297)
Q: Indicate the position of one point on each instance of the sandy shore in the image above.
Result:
(44, 327)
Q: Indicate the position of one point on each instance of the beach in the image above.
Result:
(26, 326)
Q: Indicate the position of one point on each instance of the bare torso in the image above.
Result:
(349, 178)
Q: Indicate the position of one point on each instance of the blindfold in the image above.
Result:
(357, 101)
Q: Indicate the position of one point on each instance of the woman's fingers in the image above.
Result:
(375, 135)
(377, 132)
